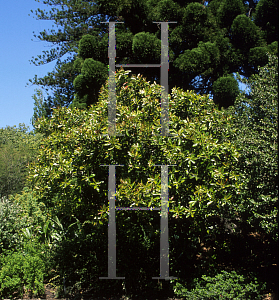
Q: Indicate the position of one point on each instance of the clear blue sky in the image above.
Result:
(16, 49)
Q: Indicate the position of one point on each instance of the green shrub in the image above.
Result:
(26, 238)
(69, 178)
(223, 286)
(256, 137)
(22, 216)
(23, 271)
(18, 148)
(10, 224)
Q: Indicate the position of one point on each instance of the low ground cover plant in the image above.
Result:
(225, 286)
(26, 237)
(23, 271)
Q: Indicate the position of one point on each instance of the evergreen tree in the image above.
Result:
(211, 41)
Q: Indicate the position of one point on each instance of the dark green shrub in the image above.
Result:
(256, 137)
(222, 286)
(225, 87)
(228, 11)
(146, 47)
(245, 33)
(87, 46)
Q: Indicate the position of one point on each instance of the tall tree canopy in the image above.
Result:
(211, 41)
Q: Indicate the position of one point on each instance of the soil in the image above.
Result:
(50, 295)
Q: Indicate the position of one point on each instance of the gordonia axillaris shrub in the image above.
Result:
(69, 178)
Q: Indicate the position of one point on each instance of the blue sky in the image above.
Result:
(16, 49)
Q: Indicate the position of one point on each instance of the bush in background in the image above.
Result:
(17, 149)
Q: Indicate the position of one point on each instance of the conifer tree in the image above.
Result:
(211, 41)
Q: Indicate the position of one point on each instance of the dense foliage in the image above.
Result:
(24, 245)
(256, 134)
(223, 214)
(69, 179)
(222, 286)
(17, 149)
(76, 146)
(23, 272)
(211, 41)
